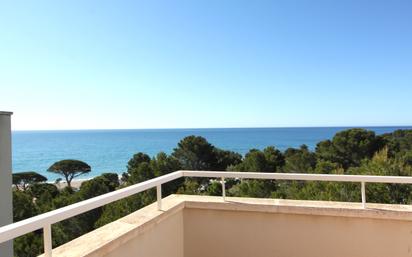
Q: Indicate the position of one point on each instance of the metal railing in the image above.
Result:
(45, 220)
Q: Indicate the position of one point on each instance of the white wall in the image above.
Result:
(162, 240)
(221, 233)
(6, 207)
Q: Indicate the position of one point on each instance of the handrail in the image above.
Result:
(300, 176)
(45, 220)
(17, 229)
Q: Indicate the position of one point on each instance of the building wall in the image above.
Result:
(6, 207)
(223, 233)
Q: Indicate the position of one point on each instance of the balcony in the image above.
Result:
(197, 226)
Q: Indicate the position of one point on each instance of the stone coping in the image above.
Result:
(113, 235)
(304, 207)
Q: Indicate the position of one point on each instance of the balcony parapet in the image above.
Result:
(45, 220)
(120, 236)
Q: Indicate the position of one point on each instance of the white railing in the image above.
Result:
(44, 221)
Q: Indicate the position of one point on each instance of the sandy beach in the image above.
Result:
(75, 183)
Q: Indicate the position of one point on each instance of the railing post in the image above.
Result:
(363, 194)
(47, 240)
(159, 197)
(223, 189)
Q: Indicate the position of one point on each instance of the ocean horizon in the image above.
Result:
(109, 150)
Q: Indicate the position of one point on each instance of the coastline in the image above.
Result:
(110, 150)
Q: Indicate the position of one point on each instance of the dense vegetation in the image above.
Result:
(353, 151)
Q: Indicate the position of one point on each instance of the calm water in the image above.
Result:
(109, 150)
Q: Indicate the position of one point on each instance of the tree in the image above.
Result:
(268, 160)
(137, 159)
(195, 153)
(381, 164)
(225, 159)
(70, 169)
(140, 173)
(23, 206)
(134, 163)
(327, 167)
(23, 179)
(274, 159)
(29, 245)
(299, 160)
(255, 161)
(407, 158)
(89, 189)
(36, 190)
(93, 187)
(111, 180)
(350, 147)
(399, 141)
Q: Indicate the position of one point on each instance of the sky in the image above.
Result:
(200, 64)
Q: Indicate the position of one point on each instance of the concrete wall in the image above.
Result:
(162, 240)
(6, 207)
(205, 226)
(221, 233)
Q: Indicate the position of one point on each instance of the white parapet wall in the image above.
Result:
(205, 226)
(6, 207)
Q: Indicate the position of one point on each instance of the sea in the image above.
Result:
(110, 150)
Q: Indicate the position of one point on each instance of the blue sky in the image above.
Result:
(171, 64)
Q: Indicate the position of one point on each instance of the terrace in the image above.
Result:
(183, 225)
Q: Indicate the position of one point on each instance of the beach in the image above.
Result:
(75, 183)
